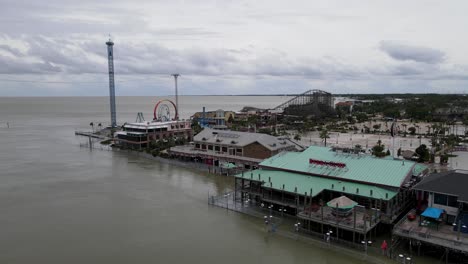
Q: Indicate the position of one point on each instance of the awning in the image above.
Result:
(342, 202)
(432, 212)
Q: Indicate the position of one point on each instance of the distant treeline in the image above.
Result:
(427, 107)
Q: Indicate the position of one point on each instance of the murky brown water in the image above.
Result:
(64, 204)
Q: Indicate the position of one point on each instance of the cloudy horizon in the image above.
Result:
(57, 48)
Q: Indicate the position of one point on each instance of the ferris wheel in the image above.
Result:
(162, 111)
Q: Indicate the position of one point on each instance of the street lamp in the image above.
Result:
(402, 259)
(227, 200)
(297, 226)
(282, 210)
(366, 244)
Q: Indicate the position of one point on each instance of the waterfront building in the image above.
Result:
(214, 119)
(442, 202)
(302, 183)
(138, 135)
(241, 148)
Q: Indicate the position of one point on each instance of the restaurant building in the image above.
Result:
(306, 184)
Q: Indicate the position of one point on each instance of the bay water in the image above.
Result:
(62, 203)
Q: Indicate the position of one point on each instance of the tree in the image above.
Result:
(252, 119)
(405, 131)
(423, 153)
(377, 126)
(324, 135)
(361, 117)
(412, 130)
(378, 150)
(428, 129)
(230, 119)
(265, 131)
(297, 137)
(196, 127)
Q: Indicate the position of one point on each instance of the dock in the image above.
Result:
(89, 134)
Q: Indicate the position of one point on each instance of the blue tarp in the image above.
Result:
(432, 212)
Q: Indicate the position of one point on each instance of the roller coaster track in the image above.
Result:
(311, 96)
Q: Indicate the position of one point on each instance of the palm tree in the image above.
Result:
(428, 129)
(324, 135)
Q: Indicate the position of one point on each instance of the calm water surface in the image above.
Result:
(64, 204)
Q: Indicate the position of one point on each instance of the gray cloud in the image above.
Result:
(69, 56)
(12, 66)
(404, 52)
(49, 55)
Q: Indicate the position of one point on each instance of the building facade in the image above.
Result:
(245, 144)
(139, 135)
(214, 119)
(244, 149)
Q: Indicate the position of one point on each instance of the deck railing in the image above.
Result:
(459, 241)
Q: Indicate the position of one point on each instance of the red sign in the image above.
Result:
(327, 163)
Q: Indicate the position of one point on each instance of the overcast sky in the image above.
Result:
(233, 46)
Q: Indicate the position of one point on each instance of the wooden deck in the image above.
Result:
(360, 220)
(443, 236)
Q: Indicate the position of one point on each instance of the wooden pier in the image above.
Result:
(89, 134)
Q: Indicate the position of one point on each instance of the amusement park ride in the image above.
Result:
(165, 124)
(162, 111)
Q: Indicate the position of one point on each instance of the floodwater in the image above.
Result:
(64, 204)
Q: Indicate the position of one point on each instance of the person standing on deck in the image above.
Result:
(384, 247)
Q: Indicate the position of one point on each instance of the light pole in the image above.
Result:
(247, 202)
(227, 200)
(282, 210)
(366, 244)
(403, 259)
(297, 226)
(459, 226)
(270, 207)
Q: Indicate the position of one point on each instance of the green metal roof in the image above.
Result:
(418, 169)
(305, 182)
(359, 167)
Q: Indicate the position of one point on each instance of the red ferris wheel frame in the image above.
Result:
(165, 100)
